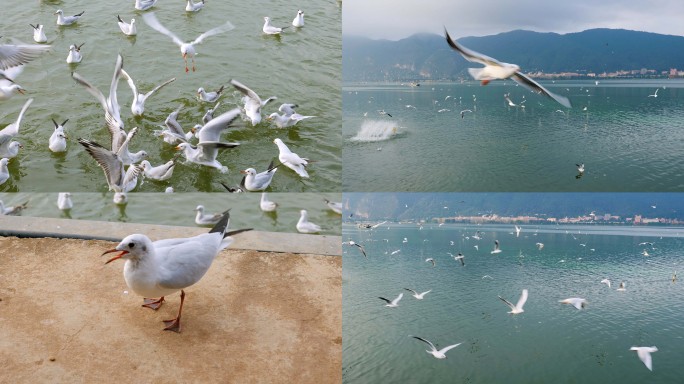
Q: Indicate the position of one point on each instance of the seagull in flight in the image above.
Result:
(430, 260)
(464, 111)
(606, 282)
(644, 354)
(517, 308)
(496, 247)
(540, 246)
(393, 303)
(494, 69)
(382, 112)
(439, 354)
(575, 302)
(655, 94)
(418, 296)
(361, 248)
(517, 231)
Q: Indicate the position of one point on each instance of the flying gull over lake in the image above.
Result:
(439, 354)
(418, 296)
(644, 354)
(496, 247)
(393, 303)
(517, 308)
(575, 302)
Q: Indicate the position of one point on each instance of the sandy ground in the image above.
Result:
(255, 317)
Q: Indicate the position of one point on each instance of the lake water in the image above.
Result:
(549, 342)
(627, 140)
(302, 66)
(178, 208)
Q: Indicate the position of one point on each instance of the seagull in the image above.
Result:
(291, 159)
(64, 201)
(210, 113)
(206, 219)
(382, 112)
(645, 253)
(494, 69)
(138, 103)
(8, 88)
(74, 54)
(160, 268)
(334, 206)
(430, 260)
(126, 28)
(395, 252)
(299, 19)
(67, 20)
(14, 55)
(359, 246)
(259, 181)
(518, 308)
(207, 149)
(118, 180)
(209, 97)
(417, 295)
(477, 247)
(439, 354)
(460, 258)
(606, 282)
(621, 288)
(252, 101)
(187, 49)
(174, 132)
(580, 168)
(517, 231)
(161, 172)
(194, 7)
(269, 29)
(144, 5)
(38, 33)
(285, 121)
(9, 148)
(510, 102)
(575, 302)
(394, 303)
(4, 172)
(540, 246)
(304, 225)
(464, 111)
(13, 210)
(267, 205)
(655, 94)
(496, 247)
(644, 354)
(58, 141)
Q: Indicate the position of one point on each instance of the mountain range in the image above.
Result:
(428, 57)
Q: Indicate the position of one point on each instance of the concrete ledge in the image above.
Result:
(115, 231)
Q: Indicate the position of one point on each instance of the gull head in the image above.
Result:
(146, 165)
(133, 247)
(267, 19)
(181, 146)
(4, 161)
(59, 12)
(17, 88)
(249, 172)
(200, 208)
(300, 12)
(272, 116)
(200, 90)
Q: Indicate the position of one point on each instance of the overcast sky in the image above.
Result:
(396, 19)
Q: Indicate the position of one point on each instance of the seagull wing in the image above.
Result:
(537, 88)
(227, 26)
(396, 300)
(111, 163)
(507, 302)
(522, 300)
(131, 83)
(361, 249)
(152, 21)
(12, 55)
(411, 290)
(432, 346)
(211, 131)
(245, 91)
(469, 54)
(158, 87)
(445, 349)
(387, 300)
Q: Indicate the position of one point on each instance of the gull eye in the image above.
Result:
(131, 245)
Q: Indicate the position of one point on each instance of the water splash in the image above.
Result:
(376, 130)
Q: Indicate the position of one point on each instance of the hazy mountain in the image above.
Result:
(427, 56)
(407, 206)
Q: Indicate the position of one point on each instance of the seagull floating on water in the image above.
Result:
(266, 205)
(144, 5)
(259, 181)
(304, 225)
(270, 29)
(334, 206)
(211, 96)
(299, 19)
(74, 54)
(64, 201)
(12, 210)
(67, 20)
(9, 148)
(38, 33)
(252, 102)
(202, 218)
(58, 138)
(191, 6)
(126, 28)
(496, 247)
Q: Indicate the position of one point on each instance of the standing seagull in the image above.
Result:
(187, 49)
(253, 102)
(644, 354)
(494, 69)
(496, 247)
(304, 225)
(394, 303)
(418, 296)
(138, 103)
(518, 308)
(67, 20)
(269, 29)
(439, 354)
(299, 19)
(291, 159)
(38, 33)
(160, 268)
(126, 28)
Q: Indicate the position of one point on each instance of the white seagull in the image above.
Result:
(496, 247)
(144, 5)
(187, 49)
(606, 282)
(266, 205)
(191, 6)
(160, 268)
(12, 210)
(430, 260)
(9, 148)
(174, 132)
(38, 33)
(285, 121)
(621, 288)
(654, 94)
(334, 206)
(206, 219)
(209, 141)
(517, 231)
(269, 29)
(359, 246)
(118, 179)
(259, 181)
(67, 20)
(464, 111)
(299, 19)
(74, 54)
(292, 160)
(252, 101)
(393, 303)
(138, 103)
(211, 96)
(161, 172)
(644, 354)
(210, 114)
(576, 302)
(517, 308)
(126, 28)
(494, 69)
(58, 138)
(439, 354)
(540, 246)
(418, 296)
(4, 172)
(304, 225)
(64, 201)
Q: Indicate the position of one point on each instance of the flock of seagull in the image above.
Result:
(577, 302)
(122, 167)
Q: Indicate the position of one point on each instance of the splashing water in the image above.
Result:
(376, 130)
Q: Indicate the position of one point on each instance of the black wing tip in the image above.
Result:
(222, 225)
(237, 231)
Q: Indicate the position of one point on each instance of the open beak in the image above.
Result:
(243, 172)
(115, 257)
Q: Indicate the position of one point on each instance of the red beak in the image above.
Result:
(115, 257)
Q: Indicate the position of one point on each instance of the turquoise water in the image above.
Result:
(549, 342)
(627, 140)
(303, 66)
